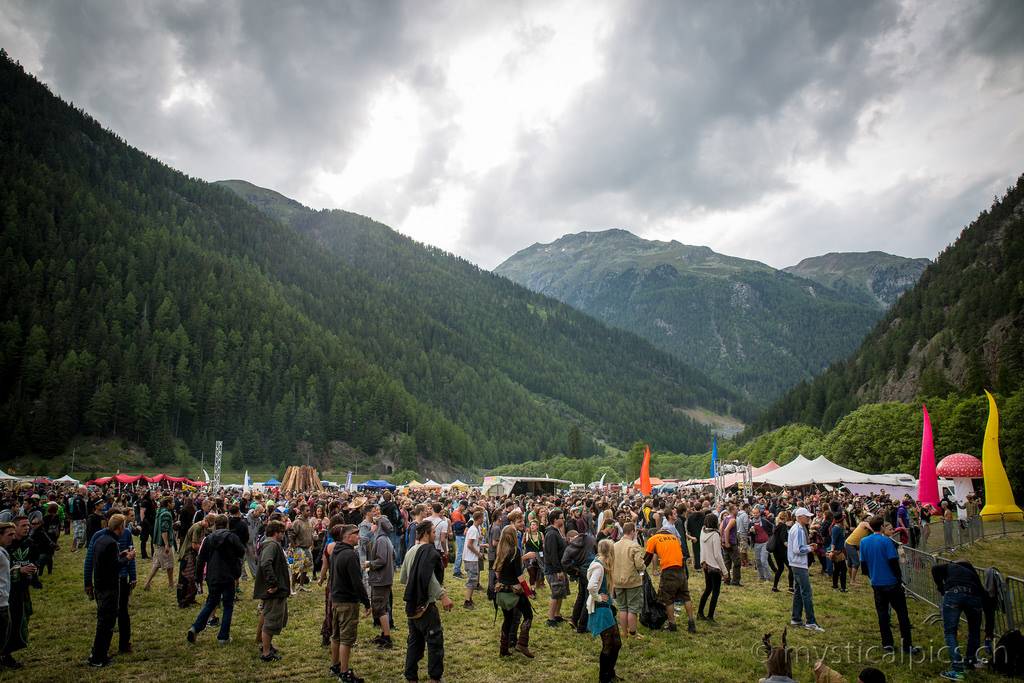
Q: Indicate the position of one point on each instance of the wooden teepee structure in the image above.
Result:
(301, 479)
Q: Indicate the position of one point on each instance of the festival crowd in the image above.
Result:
(598, 551)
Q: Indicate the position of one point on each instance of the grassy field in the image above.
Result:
(728, 650)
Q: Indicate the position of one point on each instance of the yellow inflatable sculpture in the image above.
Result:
(998, 496)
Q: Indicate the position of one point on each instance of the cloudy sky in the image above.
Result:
(770, 130)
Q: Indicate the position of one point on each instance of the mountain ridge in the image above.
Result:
(878, 276)
(754, 328)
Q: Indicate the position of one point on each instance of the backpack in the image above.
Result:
(395, 517)
(770, 547)
(1008, 658)
(653, 614)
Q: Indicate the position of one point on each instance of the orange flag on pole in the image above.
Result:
(645, 472)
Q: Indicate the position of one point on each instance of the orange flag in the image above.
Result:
(645, 472)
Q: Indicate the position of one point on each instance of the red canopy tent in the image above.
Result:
(100, 481)
(42, 480)
(197, 484)
(126, 478)
(156, 478)
(175, 480)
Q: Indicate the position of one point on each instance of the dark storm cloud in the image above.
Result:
(696, 108)
(686, 113)
(287, 83)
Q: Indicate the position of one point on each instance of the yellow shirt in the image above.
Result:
(858, 535)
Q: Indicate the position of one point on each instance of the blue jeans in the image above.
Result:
(761, 561)
(953, 604)
(396, 543)
(460, 542)
(803, 600)
(215, 594)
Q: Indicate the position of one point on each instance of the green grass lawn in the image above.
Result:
(1005, 554)
(64, 621)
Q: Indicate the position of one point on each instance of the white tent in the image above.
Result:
(66, 479)
(503, 486)
(821, 470)
(6, 477)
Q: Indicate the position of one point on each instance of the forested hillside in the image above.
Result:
(749, 326)
(958, 331)
(494, 331)
(137, 301)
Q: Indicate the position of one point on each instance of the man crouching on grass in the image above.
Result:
(347, 591)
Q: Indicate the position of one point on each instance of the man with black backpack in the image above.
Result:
(220, 559)
(578, 555)
(389, 508)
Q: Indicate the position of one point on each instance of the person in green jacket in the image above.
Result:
(164, 541)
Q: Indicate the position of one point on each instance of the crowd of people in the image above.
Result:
(603, 550)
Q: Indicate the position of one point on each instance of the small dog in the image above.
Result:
(780, 659)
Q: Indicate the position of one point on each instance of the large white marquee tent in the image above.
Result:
(821, 470)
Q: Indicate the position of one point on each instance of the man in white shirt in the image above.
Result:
(471, 557)
(797, 549)
(440, 532)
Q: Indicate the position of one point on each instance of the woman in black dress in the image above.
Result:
(517, 614)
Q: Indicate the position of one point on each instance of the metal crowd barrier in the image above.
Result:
(942, 535)
(917, 577)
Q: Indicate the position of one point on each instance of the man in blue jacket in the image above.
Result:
(104, 562)
(881, 563)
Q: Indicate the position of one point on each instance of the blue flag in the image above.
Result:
(714, 455)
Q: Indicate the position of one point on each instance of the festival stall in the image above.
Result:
(377, 484)
(504, 486)
(458, 485)
(67, 479)
(821, 470)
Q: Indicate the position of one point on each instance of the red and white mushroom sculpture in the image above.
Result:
(961, 468)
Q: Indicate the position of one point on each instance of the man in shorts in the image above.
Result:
(673, 584)
(380, 575)
(272, 585)
(554, 573)
(471, 557)
(163, 543)
(627, 578)
(347, 591)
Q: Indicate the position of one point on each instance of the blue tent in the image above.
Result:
(271, 482)
(377, 484)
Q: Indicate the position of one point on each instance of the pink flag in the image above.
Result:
(927, 480)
